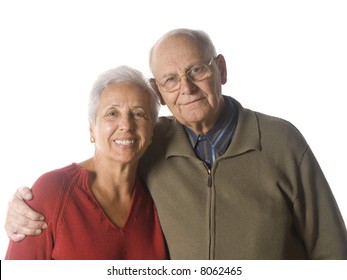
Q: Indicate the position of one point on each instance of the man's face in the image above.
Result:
(194, 104)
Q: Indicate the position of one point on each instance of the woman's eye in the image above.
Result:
(140, 114)
(111, 114)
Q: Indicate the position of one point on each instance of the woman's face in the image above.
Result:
(123, 127)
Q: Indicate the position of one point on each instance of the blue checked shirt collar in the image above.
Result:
(208, 147)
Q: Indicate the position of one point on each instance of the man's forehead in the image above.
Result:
(177, 55)
(176, 41)
(174, 53)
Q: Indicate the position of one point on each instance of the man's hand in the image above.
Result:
(21, 220)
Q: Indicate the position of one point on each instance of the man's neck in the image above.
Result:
(200, 128)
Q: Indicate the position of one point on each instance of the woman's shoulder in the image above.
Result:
(49, 188)
(56, 178)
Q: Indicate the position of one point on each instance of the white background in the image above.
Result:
(285, 58)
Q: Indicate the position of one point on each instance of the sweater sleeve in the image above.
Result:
(47, 191)
(319, 220)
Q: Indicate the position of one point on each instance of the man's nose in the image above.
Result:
(187, 86)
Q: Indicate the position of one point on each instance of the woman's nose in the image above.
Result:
(126, 123)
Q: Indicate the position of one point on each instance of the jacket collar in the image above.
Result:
(247, 133)
(246, 136)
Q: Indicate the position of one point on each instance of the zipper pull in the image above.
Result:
(209, 178)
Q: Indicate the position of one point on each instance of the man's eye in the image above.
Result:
(170, 79)
(196, 69)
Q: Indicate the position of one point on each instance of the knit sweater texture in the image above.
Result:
(266, 197)
(79, 229)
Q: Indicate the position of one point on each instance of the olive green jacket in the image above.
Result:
(265, 198)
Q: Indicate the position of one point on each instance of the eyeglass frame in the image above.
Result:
(208, 65)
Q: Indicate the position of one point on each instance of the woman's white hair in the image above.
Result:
(121, 74)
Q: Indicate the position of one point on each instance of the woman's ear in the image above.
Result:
(222, 68)
(91, 130)
(154, 86)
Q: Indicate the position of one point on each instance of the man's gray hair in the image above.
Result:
(201, 38)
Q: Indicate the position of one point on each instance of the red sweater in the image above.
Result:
(78, 227)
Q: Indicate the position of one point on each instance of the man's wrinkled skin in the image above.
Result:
(14, 223)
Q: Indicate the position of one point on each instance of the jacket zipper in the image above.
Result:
(211, 213)
(209, 177)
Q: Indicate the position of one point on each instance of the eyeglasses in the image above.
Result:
(196, 74)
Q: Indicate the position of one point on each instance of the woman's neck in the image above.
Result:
(112, 186)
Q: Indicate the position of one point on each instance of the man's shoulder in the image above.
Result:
(164, 122)
(278, 130)
(163, 126)
(274, 123)
(271, 129)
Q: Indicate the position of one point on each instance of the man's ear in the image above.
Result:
(222, 68)
(154, 86)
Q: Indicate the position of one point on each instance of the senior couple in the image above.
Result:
(226, 182)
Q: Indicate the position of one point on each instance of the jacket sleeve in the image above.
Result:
(319, 220)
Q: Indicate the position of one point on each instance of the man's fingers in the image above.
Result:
(31, 215)
(18, 227)
(18, 206)
(21, 220)
(24, 193)
(16, 236)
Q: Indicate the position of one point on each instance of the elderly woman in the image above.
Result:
(99, 209)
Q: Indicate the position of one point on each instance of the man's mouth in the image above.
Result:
(193, 101)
